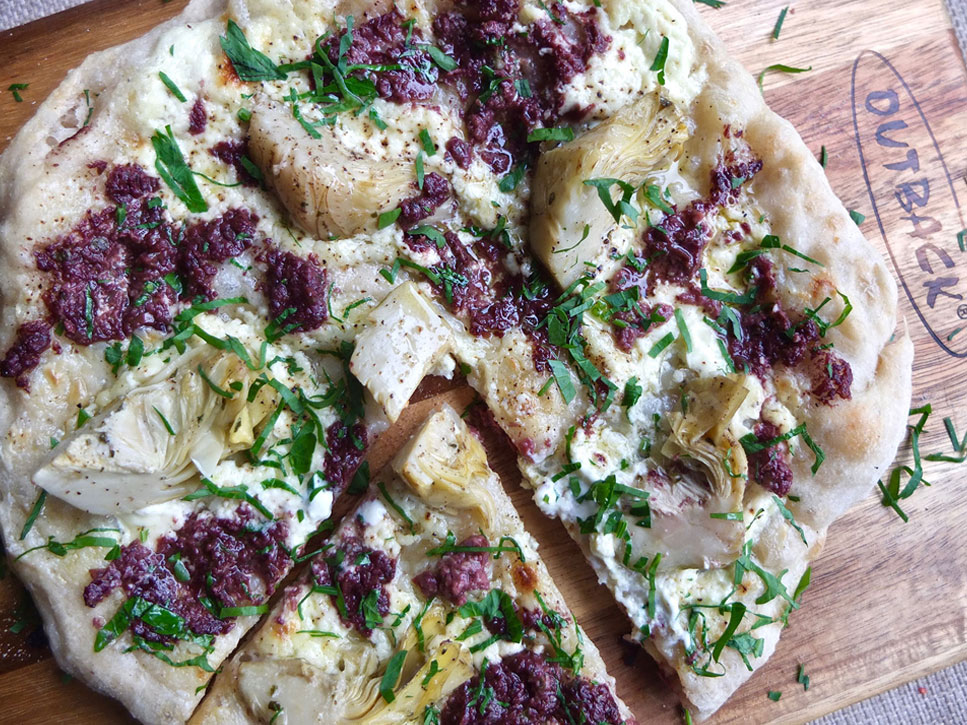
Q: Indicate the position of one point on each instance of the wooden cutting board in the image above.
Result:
(887, 97)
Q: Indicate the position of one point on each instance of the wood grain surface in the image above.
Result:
(888, 600)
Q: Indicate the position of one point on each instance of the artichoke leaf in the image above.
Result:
(297, 688)
(150, 445)
(570, 229)
(330, 190)
(454, 667)
(404, 340)
(445, 465)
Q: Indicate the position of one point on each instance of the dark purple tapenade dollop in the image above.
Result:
(357, 571)
(436, 190)
(512, 83)
(207, 244)
(674, 246)
(509, 83)
(125, 267)
(31, 341)
(346, 448)
(491, 299)
(769, 335)
(296, 286)
(128, 182)
(770, 466)
(526, 688)
(197, 118)
(457, 573)
(234, 562)
(772, 336)
(232, 153)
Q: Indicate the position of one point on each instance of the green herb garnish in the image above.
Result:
(171, 166)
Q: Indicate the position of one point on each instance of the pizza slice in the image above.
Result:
(428, 604)
(179, 416)
(730, 345)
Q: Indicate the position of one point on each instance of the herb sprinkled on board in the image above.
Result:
(779, 21)
(15, 89)
(802, 678)
(779, 67)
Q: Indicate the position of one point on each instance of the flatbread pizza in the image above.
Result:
(234, 247)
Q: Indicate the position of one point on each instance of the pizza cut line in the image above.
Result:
(236, 246)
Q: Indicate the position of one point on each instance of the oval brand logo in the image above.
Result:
(913, 197)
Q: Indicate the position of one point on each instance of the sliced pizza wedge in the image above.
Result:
(429, 604)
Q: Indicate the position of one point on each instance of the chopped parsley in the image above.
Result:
(779, 67)
(778, 27)
(15, 89)
(802, 678)
(563, 133)
(249, 64)
(660, 59)
(170, 85)
(562, 376)
(34, 513)
(171, 166)
(392, 676)
(892, 492)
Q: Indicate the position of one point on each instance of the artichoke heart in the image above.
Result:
(404, 340)
(330, 190)
(150, 445)
(445, 465)
(711, 475)
(347, 688)
(454, 667)
(702, 435)
(570, 228)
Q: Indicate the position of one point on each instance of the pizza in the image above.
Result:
(233, 248)
(429, 604)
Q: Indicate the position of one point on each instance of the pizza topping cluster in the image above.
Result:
(358, 576)
(458, 573)
(512, 80)
(527, 687)
(127, 267)
(207, 573)
(296, 288)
